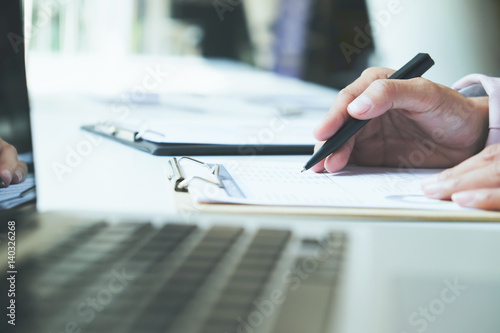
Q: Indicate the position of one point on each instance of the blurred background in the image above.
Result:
(328, 42)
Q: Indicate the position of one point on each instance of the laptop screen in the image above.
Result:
(14, 106)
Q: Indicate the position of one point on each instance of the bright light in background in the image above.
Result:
(108, 27)
(28, 10)
(460, 35)
(457, 33)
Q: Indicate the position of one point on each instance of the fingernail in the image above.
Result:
(431, 179)
(19, 175)
(7, 176)
(316, 129)
(465, 199)
(433, 188)
(360, 105)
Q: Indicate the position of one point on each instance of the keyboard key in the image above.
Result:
(247, 281)
(180, 290)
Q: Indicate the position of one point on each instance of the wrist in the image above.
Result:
(480, 107)
(491, 87)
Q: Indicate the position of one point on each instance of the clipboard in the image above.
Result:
(134, 139)
(180, 179)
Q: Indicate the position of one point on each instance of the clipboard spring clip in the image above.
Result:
(123, 133)
(113, 130)
(182, 182)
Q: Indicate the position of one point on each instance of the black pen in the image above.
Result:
(2, 184)
(414, 68)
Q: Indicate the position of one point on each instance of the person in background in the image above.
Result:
(420, 124)
(12, 171)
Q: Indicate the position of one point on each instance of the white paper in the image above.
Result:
(266, 183)
(244, 129)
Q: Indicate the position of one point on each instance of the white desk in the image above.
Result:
(393, 268)
(106, 177)
(77, 171)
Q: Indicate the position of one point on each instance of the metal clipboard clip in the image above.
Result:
(181, 181)
(117, 132)
(123, 133)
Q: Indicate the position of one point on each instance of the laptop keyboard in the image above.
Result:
(183, 278)
(247, 282)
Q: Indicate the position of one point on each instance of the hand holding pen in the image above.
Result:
(415, 123)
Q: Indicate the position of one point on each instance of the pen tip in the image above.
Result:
(303, 170)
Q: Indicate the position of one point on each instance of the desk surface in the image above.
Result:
(77, 171)
(394, 269)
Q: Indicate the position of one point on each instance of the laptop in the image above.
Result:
(233, 273)
(139, 277)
